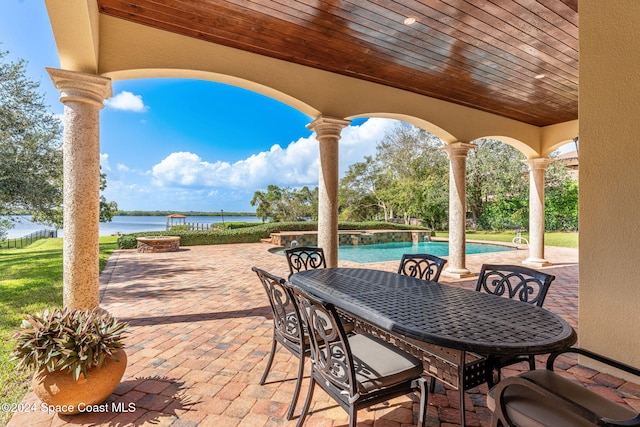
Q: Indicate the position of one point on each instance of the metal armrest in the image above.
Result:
(546, 386)
(594, 356)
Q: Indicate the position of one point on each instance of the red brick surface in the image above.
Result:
(201, 334)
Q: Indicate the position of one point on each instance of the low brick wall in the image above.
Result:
(155, 244)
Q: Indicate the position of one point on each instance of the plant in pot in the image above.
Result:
(77, 355)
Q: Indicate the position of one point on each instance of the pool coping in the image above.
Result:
(279, 250)
(349, 237)
(287, 239)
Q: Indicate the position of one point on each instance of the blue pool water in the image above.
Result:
(394, 251)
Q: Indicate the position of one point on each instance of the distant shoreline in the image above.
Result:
(126, 224)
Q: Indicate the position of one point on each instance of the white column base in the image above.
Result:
(457, 273)
(536, 262)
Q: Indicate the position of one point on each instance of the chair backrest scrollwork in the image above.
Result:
(330, 351)
(422, 266)
(516, 282)
(305, 258)
(286, 316)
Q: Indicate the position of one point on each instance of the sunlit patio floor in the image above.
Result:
(201, 331)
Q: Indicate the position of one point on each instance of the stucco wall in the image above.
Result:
(610, 178)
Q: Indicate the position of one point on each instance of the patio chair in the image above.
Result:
(356, 370)
(542, 397)
(305, 258)
(515, 282)
(422, 266)
(288, 329)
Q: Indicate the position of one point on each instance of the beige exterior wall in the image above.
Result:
(610, 178)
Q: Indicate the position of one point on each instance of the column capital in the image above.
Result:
(328, 126)
(81, 87)
(538, 163)
(458, 149)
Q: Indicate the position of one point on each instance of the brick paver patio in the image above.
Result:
(201, 332)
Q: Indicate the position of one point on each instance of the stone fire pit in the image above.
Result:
(156, 244)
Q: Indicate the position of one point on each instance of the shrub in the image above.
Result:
(252, 233)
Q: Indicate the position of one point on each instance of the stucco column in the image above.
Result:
(536, 211)
(457, 152)
(82, 95)
(327, 131)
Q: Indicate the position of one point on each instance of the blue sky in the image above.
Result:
(171, 144)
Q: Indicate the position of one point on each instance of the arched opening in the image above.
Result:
(194, 145)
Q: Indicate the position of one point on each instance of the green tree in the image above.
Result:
(432, 184)
(285, 204)
(262, 203)
(54, 217)
(560, 199)
(307, 200)
(107, 209)
(360, 199)
(30, 146)
(498, 190)
(433, 196)
(497, 186)
(411, 167)
(407, 178)
(31, 153)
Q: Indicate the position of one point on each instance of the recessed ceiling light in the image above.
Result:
(540, 76)
(410, 20)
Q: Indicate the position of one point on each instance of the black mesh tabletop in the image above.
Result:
(439, 314)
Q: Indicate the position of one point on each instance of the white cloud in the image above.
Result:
(124, 169)
(356, 142)
(121, 167)
(126, 101)
(294, 166)
(104, 162)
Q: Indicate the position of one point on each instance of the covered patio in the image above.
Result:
(507, 70)
(200, 335)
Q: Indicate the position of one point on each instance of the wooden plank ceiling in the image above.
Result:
(485, 54)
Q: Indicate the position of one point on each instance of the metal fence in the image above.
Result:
(195, 226)
(28, 239)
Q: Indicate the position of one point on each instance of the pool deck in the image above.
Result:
(201, 331)
(287, 239)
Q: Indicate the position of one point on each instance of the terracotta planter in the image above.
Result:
(66, 396)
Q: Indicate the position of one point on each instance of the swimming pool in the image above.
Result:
(394, 251)
(380, 252)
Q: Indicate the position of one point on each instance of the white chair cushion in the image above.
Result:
(380, 364)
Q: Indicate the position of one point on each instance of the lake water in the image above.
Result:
(128, 224)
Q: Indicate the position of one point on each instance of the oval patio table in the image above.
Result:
(449, 321)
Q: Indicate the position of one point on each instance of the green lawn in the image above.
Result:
(563, 239)
(30, 281)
